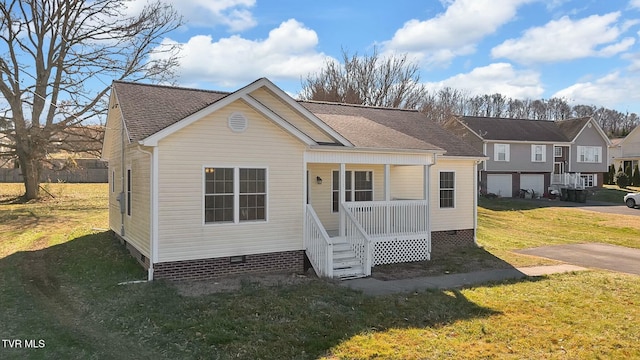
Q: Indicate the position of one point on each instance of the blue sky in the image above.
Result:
(586, 51)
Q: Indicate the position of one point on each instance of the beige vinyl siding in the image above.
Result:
(113, 139)
(462, 215)
(138, 225)
(291, 116)
(407, 182)
(320, 196)
(210, 143)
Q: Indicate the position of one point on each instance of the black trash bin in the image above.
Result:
(572, 194)
(564, 194)
(581, 196)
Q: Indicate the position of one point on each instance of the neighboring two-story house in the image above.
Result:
(625, 152)
(535, 154)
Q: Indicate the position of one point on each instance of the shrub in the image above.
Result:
(635, 179)
(622, 180)
(610, 175)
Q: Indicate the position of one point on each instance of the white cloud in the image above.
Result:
(635, 3)
(287, 53)
(454, 32)
(612, 90)
(495, 78)
(566, 39)
(235, 15)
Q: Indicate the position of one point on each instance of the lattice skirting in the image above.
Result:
(394, 251)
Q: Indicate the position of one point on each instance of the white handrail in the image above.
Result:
(391, 217)
(318, 244)
(358, 239)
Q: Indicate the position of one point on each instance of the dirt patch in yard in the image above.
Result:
(454, 262)
(235, 283)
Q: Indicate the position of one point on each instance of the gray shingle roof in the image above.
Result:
(409, 122)
(514, 129)
(148, 109)
(572, 127)
(363, 132)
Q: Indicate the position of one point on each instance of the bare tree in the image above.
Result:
(55, 54)
(367, 80)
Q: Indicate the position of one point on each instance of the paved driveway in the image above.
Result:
(594, 255)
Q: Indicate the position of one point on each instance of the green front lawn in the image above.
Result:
(59, 275)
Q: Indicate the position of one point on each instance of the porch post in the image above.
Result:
(387, 182)
(341, 199)
(387, 197)
(426, 179)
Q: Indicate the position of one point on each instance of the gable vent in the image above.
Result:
(237, 122)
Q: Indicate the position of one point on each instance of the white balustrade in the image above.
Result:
(318, 244)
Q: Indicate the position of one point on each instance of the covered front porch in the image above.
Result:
(366, 209)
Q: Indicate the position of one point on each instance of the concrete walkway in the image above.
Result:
(371, 286)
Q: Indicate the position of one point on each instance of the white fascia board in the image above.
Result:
(261, 108)
(153, 139)
(306, 113)
(530, 142)
(379, 150)
(598, 128)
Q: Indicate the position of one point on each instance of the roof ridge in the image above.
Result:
(355, 105)
(172, 87)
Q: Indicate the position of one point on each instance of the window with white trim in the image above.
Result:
(501, 152)
(358, 187)
(538, 153)
(557, 151)
(589, 154)
(233, 195)
(590, 180)
(447, 189)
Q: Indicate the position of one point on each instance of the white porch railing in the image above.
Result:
(357, 239)
(391, 217)
(318, 244)
(399, 230)
(572, 180)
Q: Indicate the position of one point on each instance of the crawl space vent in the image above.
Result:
(237, 122)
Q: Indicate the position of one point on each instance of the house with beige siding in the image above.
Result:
(535, 155)
(206, 183)
(625, 152)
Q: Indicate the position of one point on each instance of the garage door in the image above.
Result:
(499, 184)
(531, 181)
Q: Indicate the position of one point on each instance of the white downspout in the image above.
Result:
(427, 196)
(475, 204)
(152, 210)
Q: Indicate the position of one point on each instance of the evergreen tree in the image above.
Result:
(611, 175)
(635, 179)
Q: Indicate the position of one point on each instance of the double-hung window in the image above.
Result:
(501, 152)
(590, 154)
(234, 195)
(447, 189)
(358, 187)
(538, 153)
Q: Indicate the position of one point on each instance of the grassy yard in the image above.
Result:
(59, 275)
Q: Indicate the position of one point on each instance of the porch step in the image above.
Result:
(353, 272)
(345, 264)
